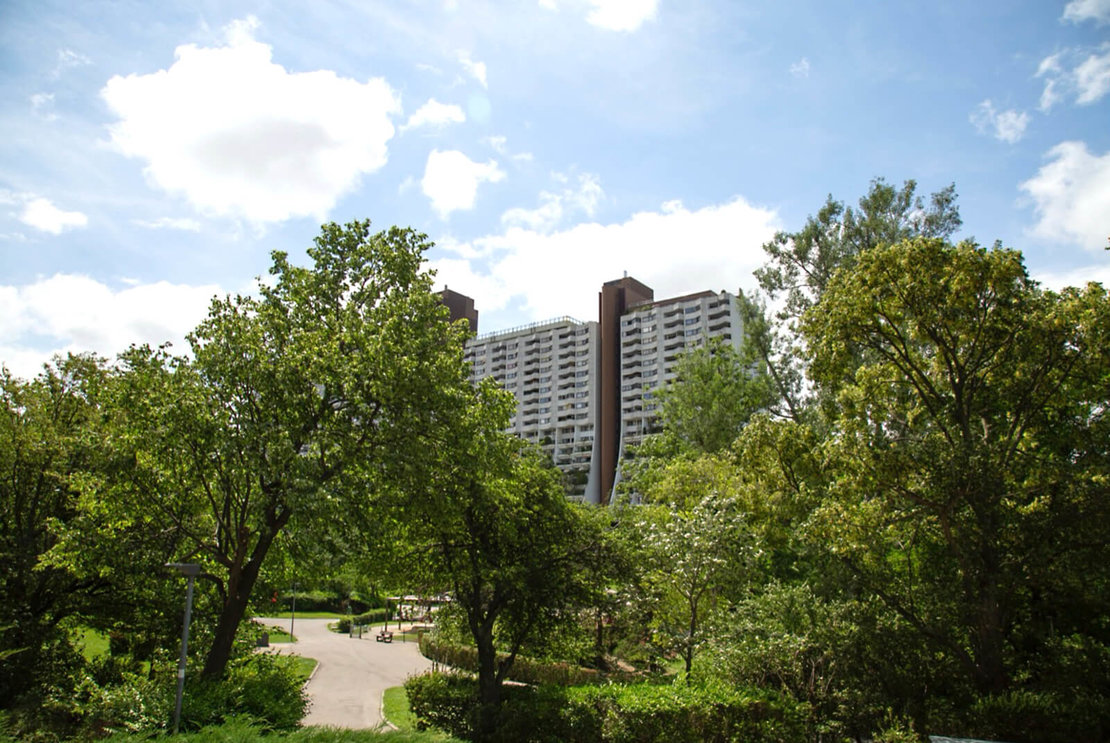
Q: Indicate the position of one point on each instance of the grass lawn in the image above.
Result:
(308, 615)
(278, 635)
(305, 666)
(395, 708)
(92, 644)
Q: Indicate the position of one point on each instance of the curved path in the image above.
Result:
(346, 688)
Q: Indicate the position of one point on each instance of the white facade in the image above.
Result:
(652, 338)
(552, 370)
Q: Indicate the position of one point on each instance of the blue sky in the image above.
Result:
(153, 154)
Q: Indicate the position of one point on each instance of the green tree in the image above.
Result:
(45, 451)
(968, 425)
(299, 410)
(700, 559)
(801, 264)
(496, 531)
(714, 393)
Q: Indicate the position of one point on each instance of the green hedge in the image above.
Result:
(327, 601)
(524, 670)
(374, 616)
(615, 713)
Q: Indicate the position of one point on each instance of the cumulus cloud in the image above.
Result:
(1078, 11)
(77, 314)
(1005, 126)
(1071, 196)
(1092, 77)
(800, 68)
(673, 249)
(451, 180)
(1057, 280)
(434, 113)
(41, 214)
(476, 70)
(238, 135)
(621, 15)
(1087, 80)
(581, 196)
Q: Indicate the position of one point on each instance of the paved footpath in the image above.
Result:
(346, 688)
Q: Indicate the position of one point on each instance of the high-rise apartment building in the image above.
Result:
(585, 390)
(652, 338)
(552, 370)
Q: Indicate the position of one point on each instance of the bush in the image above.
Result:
(524, 670)
(445, 701)
(1039, 717)
(373, 616)
(610, 714)
(263, 687)
(132, 703)
(327, 601)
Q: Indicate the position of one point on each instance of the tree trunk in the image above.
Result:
(489, 690)
(240, 585)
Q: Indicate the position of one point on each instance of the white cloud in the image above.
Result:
(170, 223)
(1071, 195)
(42, 103)
(67, 59)
(800, 68)
(434, 113)
(499, 144)
(1088, 81)
(1092, 77)
(675, 250)
(239, 136)
(581, 196)
(1051, 70)
(451, 180)
(1005, 126)
(1057, 280)
(476, 70)
(621, 15)
(79, 314)
(1078, 11)
(41, 214)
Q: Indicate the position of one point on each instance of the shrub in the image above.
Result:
(373, 616)
(445, 701)
(327, 601)
(611, 714)
(263, 687)
(524, 670)
(1039, 717)
(132, 703)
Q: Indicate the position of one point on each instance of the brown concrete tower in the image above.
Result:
(460, 306)
(615, 298)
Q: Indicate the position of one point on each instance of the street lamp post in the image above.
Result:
(293, 613)
(189, 570)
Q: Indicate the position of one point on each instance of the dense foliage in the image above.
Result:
(616, 713)
(291, 429)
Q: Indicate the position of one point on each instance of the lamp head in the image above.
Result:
(188, 569)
